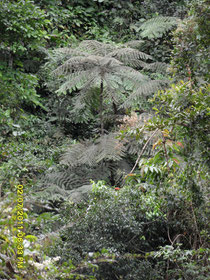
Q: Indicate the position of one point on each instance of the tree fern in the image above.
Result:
(157, 26)
(106, 66)
(102, 66)
(106, 147)
(56, 185)
(100, 76)
(50, 192)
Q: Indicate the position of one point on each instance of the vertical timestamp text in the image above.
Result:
(20, 226)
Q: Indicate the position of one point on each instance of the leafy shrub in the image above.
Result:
(126, 221)
(21, 20)
(184, 264)
(190, 55)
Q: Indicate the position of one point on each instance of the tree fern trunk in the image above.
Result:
(114, 108)
(101, 108)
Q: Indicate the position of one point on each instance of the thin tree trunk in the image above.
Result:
(101, 108)
(165, 151)
(10, 62)
(137, 161)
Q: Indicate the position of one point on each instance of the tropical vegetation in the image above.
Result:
(104, 140)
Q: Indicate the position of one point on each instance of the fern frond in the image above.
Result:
(78, 80)
(146, 88)
(129, 56)
(107, 147)
(81, 72)
(62, 185)
(129, 73)
(157, 26)
(77, 63)
(112, 81)
(149, 87)
(70, 52)
(134, 43)
(51, 192)
(75, 154)
(95, 47)
(158, 67)
(108, 50)
(68, 179)
(116, 95)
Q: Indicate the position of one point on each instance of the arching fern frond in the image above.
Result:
(145, 89)
(95, 47)
(78, 80)
(134, 43)
(157, 26)
(70, 51)
(131, 74)
(129, 56)
(56, 185)
(105, 148)
(109, 148)
(51, 192)
(77, 63)
(115, 95)
(157, 67)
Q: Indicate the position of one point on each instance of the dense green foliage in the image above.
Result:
(104, 140)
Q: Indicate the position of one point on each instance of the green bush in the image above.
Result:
(126, 221)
